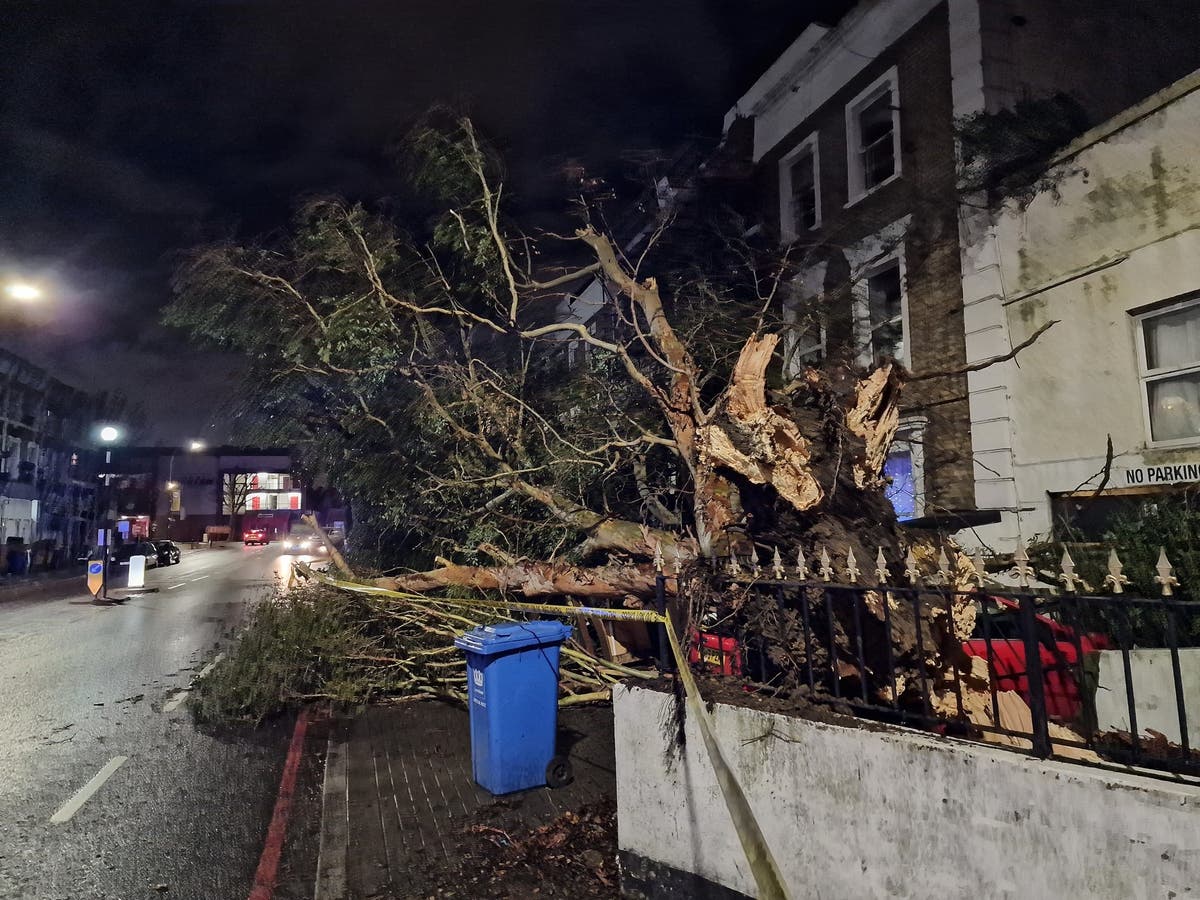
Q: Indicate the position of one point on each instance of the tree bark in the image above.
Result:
(536, 579)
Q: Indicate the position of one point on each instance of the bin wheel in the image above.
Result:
(559, 772)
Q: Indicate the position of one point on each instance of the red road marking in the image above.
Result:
(268, 863)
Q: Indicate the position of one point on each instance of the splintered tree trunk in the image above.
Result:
(750, 442)
(797, 474)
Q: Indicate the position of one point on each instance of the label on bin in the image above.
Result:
(478, 697)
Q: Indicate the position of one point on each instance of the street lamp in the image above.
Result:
(23, 291)
(196, 446)
(109, 435)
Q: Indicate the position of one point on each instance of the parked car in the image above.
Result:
(1059, 647)
(168, 552)
(120, 555)
(255, 536)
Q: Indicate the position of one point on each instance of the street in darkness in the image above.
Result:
(92, 690)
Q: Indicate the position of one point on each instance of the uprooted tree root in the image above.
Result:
(318, 643)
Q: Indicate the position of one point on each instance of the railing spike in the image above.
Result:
(882, 575)
(911, 572)
(1021, 566)
(1164, 576)
(1114, 578)
(979, 566)
(755, 562)
(658, 557)
(734, 568)
(1068, 576)
(777, 565)
(825, 570)
(801, 565)
(678, 566)
(852, 570)
(943, 564)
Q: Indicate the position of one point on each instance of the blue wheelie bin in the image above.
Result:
(512, 683)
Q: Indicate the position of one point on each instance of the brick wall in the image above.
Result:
(926, 192)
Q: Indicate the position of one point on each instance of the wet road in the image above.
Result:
(88, 691)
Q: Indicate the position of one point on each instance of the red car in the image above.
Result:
(1059, 657)
(255, 536)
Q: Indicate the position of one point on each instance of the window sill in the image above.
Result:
(895, 176)
(1177, 444)
(790, 237)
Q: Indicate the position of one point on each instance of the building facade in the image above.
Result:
(857, 150)
(1109, 251)
(47, 464)
(179, 494)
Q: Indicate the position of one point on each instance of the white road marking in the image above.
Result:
(201, 578)
(181, 584)
(177, 701)
(85, 793)
(335, 831)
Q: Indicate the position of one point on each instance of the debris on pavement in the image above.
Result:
(573, 856)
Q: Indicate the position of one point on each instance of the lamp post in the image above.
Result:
(108, 435)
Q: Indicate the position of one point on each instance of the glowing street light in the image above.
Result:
(196, 446)
(172, 485)
(23, 291)
(109, 434)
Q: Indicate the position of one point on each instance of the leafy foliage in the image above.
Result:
(1006, 152)
(296, 644)
(397, 359)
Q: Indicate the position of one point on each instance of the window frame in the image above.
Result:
(863, 329)
(856, 176)
(1146, 375)
(789, 228)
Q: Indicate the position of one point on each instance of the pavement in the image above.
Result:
(58, 583)
(398, 795)
(107, 787)
(110, 791)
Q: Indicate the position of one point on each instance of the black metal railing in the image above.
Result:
(913, 655)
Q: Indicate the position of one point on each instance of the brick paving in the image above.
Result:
(410, 791)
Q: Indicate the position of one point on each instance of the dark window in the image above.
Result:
(877, 151)
(886, 305)
(804, 190)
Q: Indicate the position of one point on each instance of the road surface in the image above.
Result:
(107, 788)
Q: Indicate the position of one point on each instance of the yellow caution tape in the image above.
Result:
(754, 843)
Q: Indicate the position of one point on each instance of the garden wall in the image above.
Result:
(851, 812)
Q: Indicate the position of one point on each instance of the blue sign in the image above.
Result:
(95, 568)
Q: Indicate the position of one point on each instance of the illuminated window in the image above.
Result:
(905, 471)
(1169, 359)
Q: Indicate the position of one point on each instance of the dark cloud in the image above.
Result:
(130, 130)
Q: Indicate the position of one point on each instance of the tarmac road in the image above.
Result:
(90, 710)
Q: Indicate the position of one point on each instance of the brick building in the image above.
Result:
(853, 133)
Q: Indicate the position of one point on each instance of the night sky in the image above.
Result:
(130, 130)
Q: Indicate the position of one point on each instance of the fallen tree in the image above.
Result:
(428, 371)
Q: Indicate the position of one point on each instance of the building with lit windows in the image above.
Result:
(178, 494)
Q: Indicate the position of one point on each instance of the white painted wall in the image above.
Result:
(855, 813)
(1153, 692)
(1120, 231)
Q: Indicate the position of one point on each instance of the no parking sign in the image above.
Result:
(95, 576)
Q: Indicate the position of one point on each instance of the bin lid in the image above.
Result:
(504, 637)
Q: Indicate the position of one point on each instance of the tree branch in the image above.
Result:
(983, 364)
